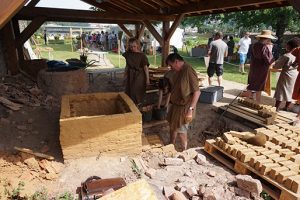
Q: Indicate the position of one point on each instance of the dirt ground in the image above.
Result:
(37, 127)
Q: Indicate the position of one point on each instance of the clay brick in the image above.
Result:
(271, 156)
(269, 152)
(291, 165)
(279, 139)
(235, 146)
(281, 151)
(288, 155)
(243, 151)
(291, 136)
(269, 144)
(296, 186)
(282, 176)
(296, 159)
(292, 146)
(228, 138)
(288, 182)
(272, 127)
(254, 159)
(279, 159)
(297, 150)
(266, 168)
(259, 163)
(245, 157)
(276, 170)
(257, 130)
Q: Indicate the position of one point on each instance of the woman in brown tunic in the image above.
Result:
(136, 72)
(184, 97)
(261, 59)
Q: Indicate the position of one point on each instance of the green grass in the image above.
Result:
(231, 73)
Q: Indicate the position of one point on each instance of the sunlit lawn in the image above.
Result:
(231, 73)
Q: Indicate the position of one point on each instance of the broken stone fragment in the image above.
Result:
(188, 154)
(168, 191)
(192, 191)
(249, 184)
(178, 196)
(173, 161)
(201, 189)
(242, 193)
(211, 173)
(150, 172)
(201, 159)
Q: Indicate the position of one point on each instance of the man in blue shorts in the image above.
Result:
(217, 51)
(243, 46)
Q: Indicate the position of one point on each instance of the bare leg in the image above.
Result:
(210, 80)
(277, 104)
(183, 140)
(242, 68)
(220, 80)
(287, 105)
(173, 135)
(258, 96)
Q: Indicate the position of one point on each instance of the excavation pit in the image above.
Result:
(99, 123)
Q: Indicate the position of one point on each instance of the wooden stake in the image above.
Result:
(41, 155)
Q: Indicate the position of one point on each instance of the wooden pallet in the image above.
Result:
(273, 188)
(242, 113)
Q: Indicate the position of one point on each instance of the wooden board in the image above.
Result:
(275, 190)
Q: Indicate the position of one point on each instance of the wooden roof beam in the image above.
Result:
(33, 3)
(122, 7)
(8, 9)
(217, 5)
(153, 31)
(126, 31)
(102, 6)
(31, 13)
(30, 30)
(173, 27)
(141, 32)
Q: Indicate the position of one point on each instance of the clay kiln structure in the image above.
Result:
(99, 123)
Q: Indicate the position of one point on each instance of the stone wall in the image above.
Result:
(2, 61)
(99, 123)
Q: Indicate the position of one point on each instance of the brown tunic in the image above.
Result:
(135, 86)
(261, 58)
(183, 84)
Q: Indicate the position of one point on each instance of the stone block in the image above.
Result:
(168, 191)
(276, 170)
(173, 161)
(241, 192)
(106, 123)
(178, 196)
(288, 182)
(188, 154)
(249, 184)
(282, 176)
(150, 172)
(201, 159)
(192, 191)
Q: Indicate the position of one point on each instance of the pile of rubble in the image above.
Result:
(190, 175)
(18, 91)
(28, 167)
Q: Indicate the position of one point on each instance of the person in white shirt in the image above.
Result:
(243, 47)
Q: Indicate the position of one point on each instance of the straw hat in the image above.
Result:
(266, 34)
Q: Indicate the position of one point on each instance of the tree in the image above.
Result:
(278, 19)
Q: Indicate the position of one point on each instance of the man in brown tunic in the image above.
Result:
(184, 97)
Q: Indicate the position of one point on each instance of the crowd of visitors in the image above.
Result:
(104, 41)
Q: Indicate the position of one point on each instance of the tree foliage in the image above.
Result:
(278, 19)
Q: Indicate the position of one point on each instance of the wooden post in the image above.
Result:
(71, 39)
(154, 52)
(9, 48)
(81, 39)
(119, 52)
(166, 43)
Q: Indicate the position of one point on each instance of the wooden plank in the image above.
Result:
(70, 14)
(126, 31)
(153, 31)
(155, 123)
(41, 155)
(30, 30)
(8, 9)
(9, 48)
(173, 27)
(33, 3)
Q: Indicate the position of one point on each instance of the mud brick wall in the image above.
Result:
(62, 83)
(99, 123)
